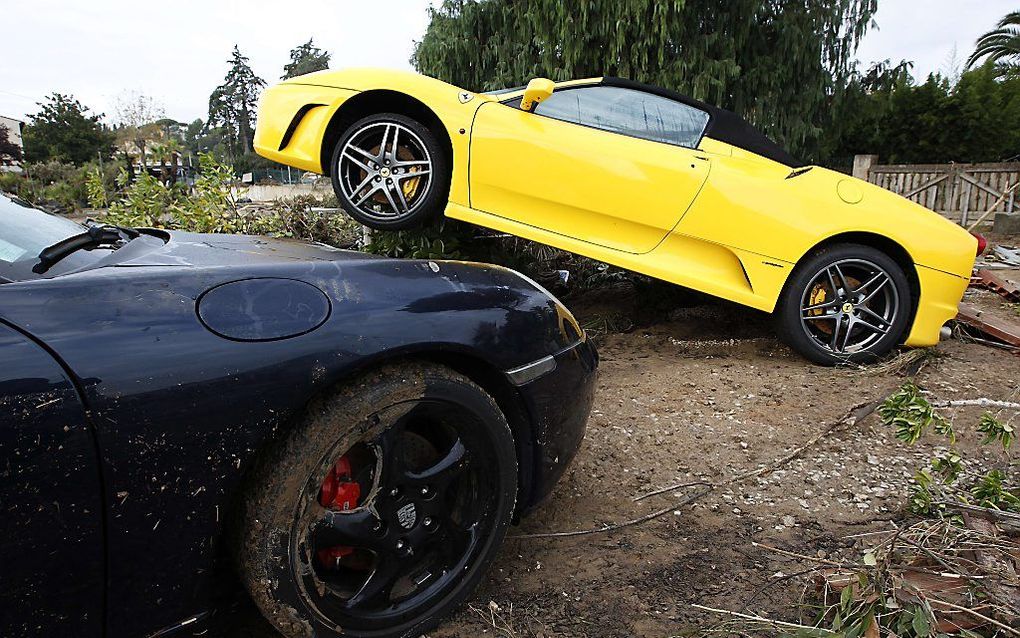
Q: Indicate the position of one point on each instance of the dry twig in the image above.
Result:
(854, 415)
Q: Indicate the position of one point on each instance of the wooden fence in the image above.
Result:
(960, 192)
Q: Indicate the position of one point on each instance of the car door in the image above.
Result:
(608, 165)
(52, 570)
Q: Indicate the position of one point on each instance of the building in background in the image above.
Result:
(14, 128)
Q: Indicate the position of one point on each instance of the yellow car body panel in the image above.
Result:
(716, 218)
(560, 172)
(303, 111)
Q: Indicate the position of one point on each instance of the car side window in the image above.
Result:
(628, 112)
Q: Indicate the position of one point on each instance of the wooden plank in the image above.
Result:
(927, 184)
(1006, 332)
(980, 185)
(1005, 288)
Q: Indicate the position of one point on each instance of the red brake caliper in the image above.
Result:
(339, 492)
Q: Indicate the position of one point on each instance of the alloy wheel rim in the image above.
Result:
(425, 519)
(385, 171)
(848, 306)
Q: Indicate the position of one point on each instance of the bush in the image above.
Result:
(57, 186)
(212, 208)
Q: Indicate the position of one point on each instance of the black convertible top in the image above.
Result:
(724, 126)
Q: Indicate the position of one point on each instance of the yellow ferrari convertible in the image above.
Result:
(639, 177)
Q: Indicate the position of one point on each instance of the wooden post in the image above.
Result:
(966, 205)
(863, 164)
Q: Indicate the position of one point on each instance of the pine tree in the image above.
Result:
(777, 63)
(232, 104)
(306, 58)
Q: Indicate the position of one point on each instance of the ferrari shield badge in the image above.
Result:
(465, 97)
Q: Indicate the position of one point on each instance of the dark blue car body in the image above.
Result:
(136, 393)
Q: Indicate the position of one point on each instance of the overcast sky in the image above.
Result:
(177, 51)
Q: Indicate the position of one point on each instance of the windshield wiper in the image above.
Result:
(97, 235)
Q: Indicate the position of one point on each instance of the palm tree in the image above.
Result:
(1001, 45)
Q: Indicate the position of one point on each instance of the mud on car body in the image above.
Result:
(346, 436)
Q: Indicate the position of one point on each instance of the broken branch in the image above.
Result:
(852, 416)
(995, 205)
(980, 402)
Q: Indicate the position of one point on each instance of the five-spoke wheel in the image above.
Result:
(846, 303)
(389, 172)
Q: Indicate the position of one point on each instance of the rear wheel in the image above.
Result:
(389, 172)
(383, 509)
(847, 303)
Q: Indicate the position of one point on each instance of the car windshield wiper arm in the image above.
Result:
(96, 235)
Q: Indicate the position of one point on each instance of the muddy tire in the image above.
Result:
(389, 172)
(845, 304)
(382, 508)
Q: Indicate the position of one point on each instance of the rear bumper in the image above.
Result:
(939, 302)
(558, 404)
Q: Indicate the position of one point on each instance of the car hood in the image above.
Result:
(194, 249)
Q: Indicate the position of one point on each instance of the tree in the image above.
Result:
(885, 112)
(63, 130)
(232, 104)
(1001, 46)
(167, 153)
(10, 153)
(306, 58)
(745, 55)
(136, 116)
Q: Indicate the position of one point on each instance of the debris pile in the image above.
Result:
(936, 576)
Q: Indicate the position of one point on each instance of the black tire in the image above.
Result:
(371, 184)
(277, 560)
(872, 318)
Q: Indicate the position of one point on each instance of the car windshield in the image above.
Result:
(25, 231)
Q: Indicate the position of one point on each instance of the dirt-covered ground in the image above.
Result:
(700, 392)
(703, 395)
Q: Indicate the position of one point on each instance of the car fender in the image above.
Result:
(300, 98)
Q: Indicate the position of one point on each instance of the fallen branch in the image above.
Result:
(975, 614)
(995, 205)
(999, 515)
(612, 528)
(785, 552)
(981, 402)
(767, 621)
(854, 415)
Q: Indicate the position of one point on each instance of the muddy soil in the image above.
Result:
(707, 393)
(701, 392)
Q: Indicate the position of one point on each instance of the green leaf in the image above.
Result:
(920, 623)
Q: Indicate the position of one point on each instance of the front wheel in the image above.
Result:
(390, 173)
(847, 303)
(383, 507)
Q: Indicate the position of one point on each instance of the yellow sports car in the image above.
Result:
(638, 177)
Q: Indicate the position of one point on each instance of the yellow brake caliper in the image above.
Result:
(818, 296)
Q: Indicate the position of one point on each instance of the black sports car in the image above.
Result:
(347, 436)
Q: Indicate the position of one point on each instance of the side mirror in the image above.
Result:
(538, 90)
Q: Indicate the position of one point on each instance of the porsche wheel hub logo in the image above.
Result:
(407, 516)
